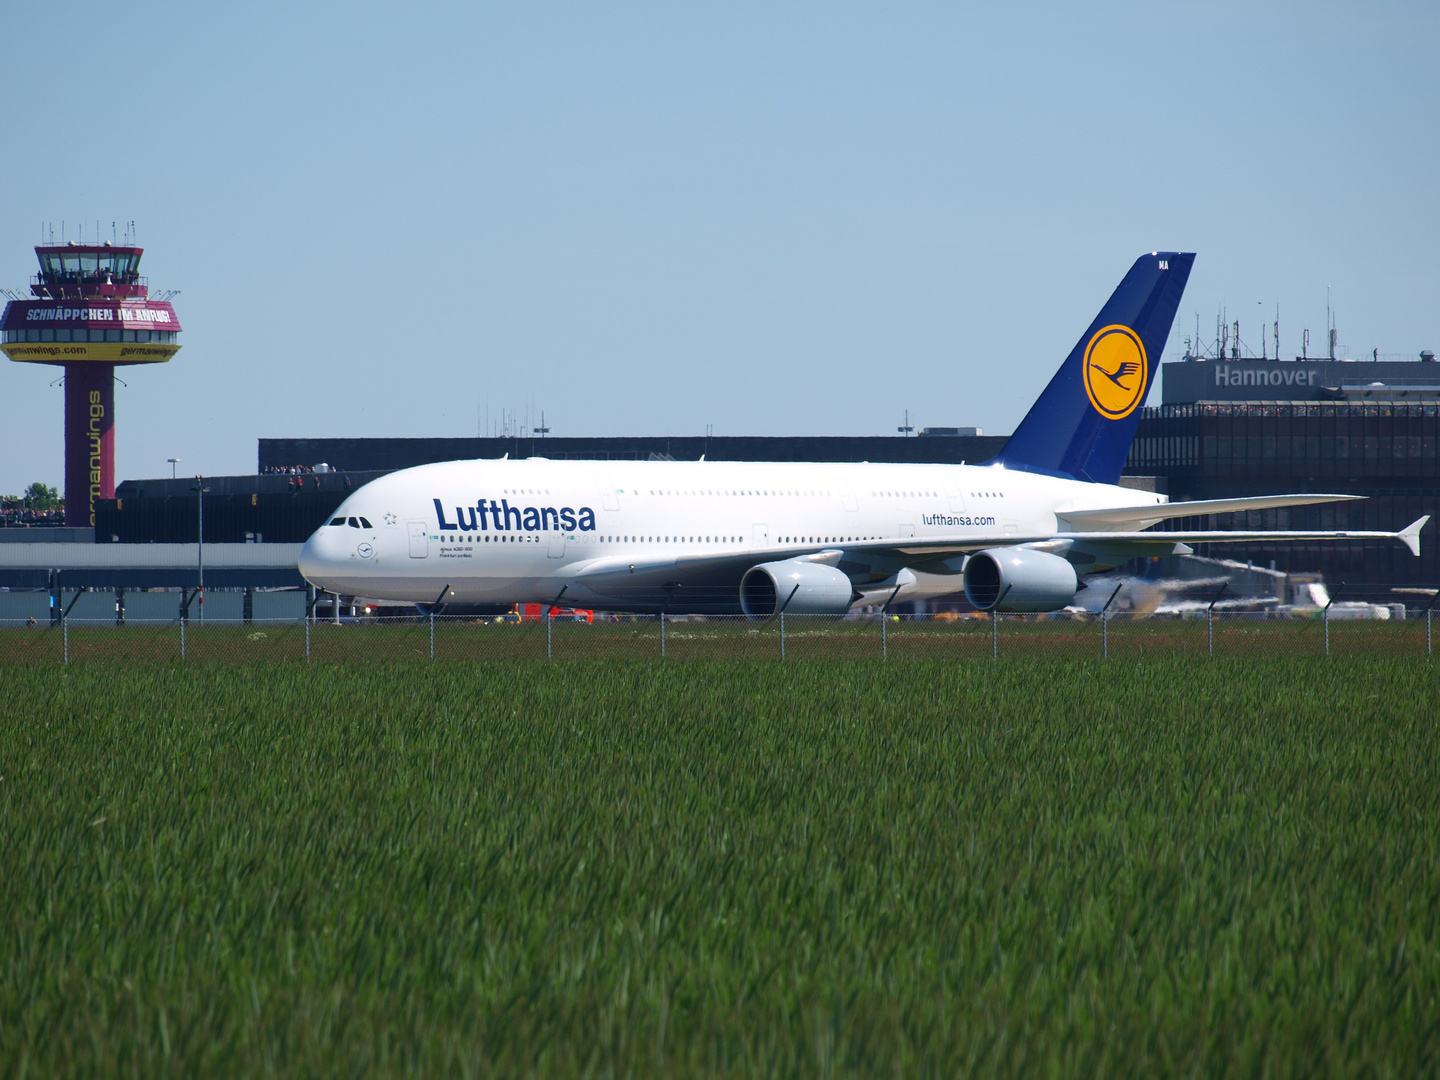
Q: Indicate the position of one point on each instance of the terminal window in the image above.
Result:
(148, 336)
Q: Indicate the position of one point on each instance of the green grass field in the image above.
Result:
(1039, 867)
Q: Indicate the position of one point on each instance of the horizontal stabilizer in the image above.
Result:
(1121, 515)
(1410, 535)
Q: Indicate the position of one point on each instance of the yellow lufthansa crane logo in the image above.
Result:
(1116, 372)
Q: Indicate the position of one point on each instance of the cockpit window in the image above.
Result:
(365, 523)
(337, 521)
(354, 523)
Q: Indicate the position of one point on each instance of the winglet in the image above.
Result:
(1411, 534)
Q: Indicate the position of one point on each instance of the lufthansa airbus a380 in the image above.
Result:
(759, 538)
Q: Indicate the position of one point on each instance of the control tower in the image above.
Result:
(91, 313)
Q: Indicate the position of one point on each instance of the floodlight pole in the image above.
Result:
(1210, 618)
(200, 490)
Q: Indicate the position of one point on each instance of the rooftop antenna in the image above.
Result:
(905, 429)
(542, 429)
(1330, 322)
(1262, 338)
(1277, 331)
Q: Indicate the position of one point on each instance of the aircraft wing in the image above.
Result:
(618, 571)
(1409, 536)
(1155, 512)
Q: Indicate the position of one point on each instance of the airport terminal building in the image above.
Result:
(1238, 427)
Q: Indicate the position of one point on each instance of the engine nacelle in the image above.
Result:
(1019, 579)
(796, 586)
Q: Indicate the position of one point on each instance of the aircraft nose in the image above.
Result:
(314, 560)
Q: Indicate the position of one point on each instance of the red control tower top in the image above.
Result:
(91, 304)
(76, 272)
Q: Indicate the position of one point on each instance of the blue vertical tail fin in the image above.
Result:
(1083, 423)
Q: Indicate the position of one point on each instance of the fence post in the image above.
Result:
(782, 635)
(1325, 615)
(431, 612)
(307, 637)
(662, 635)
(884, 618)
(550, 618)
(1428, 607)
(1210, 617)
(1105, 623)
(995, 624)
(65, 618)
(183, 621)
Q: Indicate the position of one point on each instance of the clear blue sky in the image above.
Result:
(769, 218)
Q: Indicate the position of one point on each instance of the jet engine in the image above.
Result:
(796, 587)
(1019, 579)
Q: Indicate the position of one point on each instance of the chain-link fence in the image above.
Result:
(1393, 630)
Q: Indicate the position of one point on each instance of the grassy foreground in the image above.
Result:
(821, 868)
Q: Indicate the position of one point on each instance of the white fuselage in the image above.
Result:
(506, 531)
